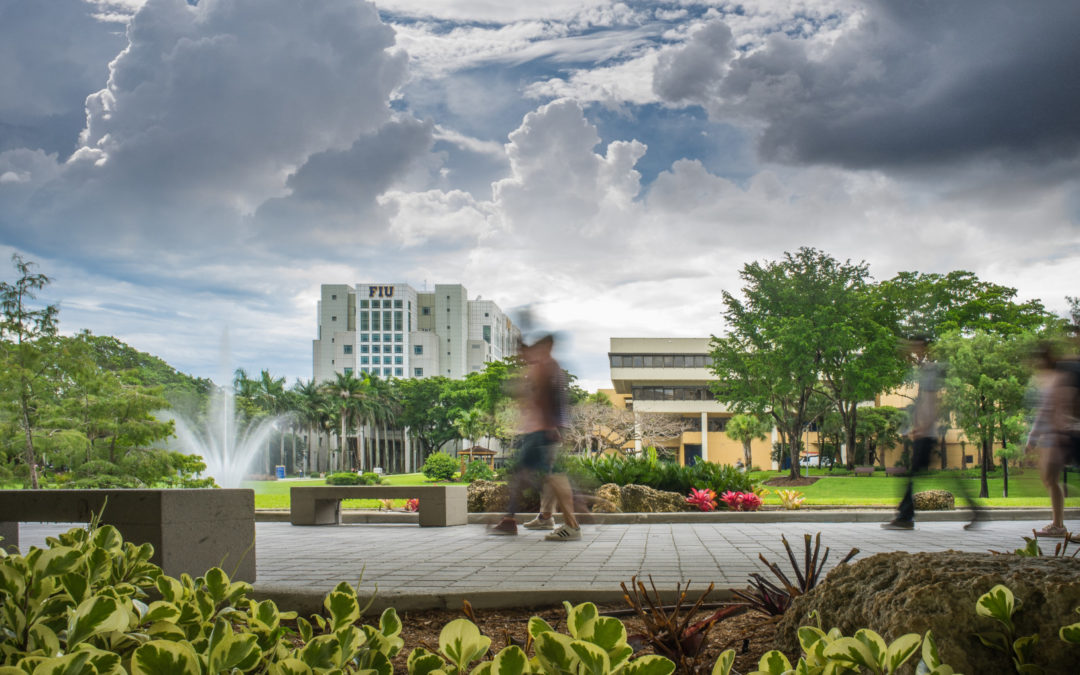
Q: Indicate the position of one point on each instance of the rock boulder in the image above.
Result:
(934, 500)
(899, 593)
(490, 497)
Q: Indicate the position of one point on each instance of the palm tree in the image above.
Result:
(349, 394)
(384, 411)
(308, 400)
(745, 429)
(270, 397)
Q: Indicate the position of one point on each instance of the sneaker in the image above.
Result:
(506, 527)
(539, 523)
(1052, 531)
(898, 525)
(565, 533)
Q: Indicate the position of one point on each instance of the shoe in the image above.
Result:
(539, 523)
(565, 533)
(506, 527)
(898, 524)
(973, 525)
(1052, 532)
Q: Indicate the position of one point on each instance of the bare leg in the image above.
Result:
(1051, 479)
(564, 497)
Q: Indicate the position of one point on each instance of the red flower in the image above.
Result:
(703, 499)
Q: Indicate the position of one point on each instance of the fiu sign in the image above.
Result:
(380, 291)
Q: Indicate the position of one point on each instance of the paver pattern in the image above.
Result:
(409, 559)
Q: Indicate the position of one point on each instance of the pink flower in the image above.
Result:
(741, 501)
(412, 505)
(705, 499)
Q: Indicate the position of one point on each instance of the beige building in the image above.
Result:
(670, 375)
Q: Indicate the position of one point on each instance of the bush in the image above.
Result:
(476, 470)
(104, 483)
(97, 467)
(370, 478)
(590, 473)
(440, 466)
(344, 478)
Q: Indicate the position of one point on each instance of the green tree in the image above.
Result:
(269, 395)
(426, 411)
(986, 376)
(746, 429)
(351, 395)
(772, 358)
(878, 428)
(309, 401)
(472, 425)
(27, 372)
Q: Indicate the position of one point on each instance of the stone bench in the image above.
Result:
(895, 471)
(191, 530)
(440, 505)
(864, 471)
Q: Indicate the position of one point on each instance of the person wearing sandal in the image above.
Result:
(1047, 433)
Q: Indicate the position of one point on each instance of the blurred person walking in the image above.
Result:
(922, 431)
(543, 401)
(1054, 432)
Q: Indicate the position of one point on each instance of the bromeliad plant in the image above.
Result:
(773, 599)
(791, 500)
(741, 501)
(704, 500)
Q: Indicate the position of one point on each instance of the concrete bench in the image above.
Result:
(190, 530)
(440, 505)
(895, 471)
(864, 471)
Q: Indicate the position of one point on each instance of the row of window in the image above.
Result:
(385, 372)
(386, 304)
(374, 337)
(716, 424)
(376, 360)
(660, 361)
(672, 394)
(383, 321)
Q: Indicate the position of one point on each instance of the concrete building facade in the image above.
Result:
(393, 330)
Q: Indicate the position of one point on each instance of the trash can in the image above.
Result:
(279, 471)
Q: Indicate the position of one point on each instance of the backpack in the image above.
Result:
(1071, 370)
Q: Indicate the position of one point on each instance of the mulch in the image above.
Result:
(786, 481)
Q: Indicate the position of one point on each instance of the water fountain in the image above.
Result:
(226, 444)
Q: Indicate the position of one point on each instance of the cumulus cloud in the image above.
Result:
(908, 84)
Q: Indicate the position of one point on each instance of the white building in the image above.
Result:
(393, 330)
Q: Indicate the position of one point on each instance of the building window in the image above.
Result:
(447, 310)
(487, 333)
(386, 372)
(398, 372)
(363, 337)
(718, 423)
(398, 321)
(485, 314)
(397, 304)
(364, 360)
(374, 349)
(364, 349)
(348, 371)
(333, 318)
(398, 337)
(425, 311)
(375, 321)
(399, 349)
(398, 360)
(418, 372)
(333, 297)
(347, 349)
(374, 337)
(364, 321)
(418, 349)
(363, 304)
(386, 337)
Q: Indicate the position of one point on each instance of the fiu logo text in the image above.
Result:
(380, 291)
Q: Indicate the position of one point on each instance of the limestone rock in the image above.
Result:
(490, 497)
(642, 499)
(899, 593)
(934, 500)
(608, 499)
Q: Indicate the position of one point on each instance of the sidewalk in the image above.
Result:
(416, 568)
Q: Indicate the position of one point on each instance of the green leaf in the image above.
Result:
(344, 609)
(902, 649)
(76, 585)
(510, 661)
(537, 626)
(724, 663)
(809, 636)
(1024, 648)
(99, 614)
(553, 651)
(994, 640)
(43, 639)
(851, 651)
(389, 623)
(650, 664)
(774, 663)
(423, 662)
(228, 650)
(171, 590)
(877, 646)
(930, 655)
(593, 660)
(159, 657)
(103, 661)
(217, 584)
(322, 652)
(580, 620)
(460, 641)
(608, 633)
(160, 610)
(303, 626)
(998, 603)
(69, 664)
(1070, 633)
(56, 561)
(289, 666)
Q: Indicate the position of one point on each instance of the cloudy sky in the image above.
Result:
(180, 168)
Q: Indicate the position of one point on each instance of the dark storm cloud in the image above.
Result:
(914, 83)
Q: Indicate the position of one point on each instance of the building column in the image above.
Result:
(843, 455)
(637, 436)
(705, 436)
(408, 450)
(775, 464)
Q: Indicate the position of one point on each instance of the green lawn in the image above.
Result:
(1024, 490)
(274, 494)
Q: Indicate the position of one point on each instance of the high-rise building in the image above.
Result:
(393, 330)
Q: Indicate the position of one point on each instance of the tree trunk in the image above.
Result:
(1005, 475)
(984, 486)
(746, 453)
(31, 458)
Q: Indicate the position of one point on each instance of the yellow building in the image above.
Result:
(670, 375)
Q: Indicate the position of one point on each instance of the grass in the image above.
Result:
(1024, 490)
(274, 494)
